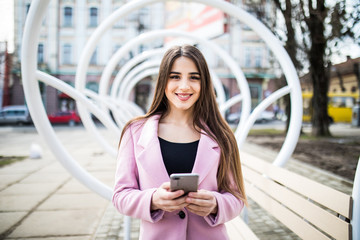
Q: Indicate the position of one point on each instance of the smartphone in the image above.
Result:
(184, 181)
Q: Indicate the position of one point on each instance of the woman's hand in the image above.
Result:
(202, 203)
(166, 200)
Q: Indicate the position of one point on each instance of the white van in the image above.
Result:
(17, 114)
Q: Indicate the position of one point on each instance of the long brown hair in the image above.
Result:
(206, 117)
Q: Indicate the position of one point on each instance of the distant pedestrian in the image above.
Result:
(183, 131)
(276, 111)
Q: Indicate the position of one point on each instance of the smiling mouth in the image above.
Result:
(182, 96)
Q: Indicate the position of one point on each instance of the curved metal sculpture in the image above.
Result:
(116, 99)
(109, 101)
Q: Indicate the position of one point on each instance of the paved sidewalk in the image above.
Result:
(40, 200)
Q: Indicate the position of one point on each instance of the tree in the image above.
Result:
(323, 27)
(314, 30)
(326, 26)
(314, 15)
(291, 47)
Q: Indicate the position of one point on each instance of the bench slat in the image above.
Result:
(237, 229)
(321, 218)
(303, 229)
(331, 198)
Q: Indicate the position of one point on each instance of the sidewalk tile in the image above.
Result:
(105, 177)
(74, 186)
(17, 203)
(59, 223)
(41, 177)
(30, 188)
(74, 201)
(24, 166)
(54, 167)
(8, 179)
(55, 238)
(9, 219)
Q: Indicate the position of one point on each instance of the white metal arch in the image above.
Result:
(125, 89)
(122, 109)
(117, 89)
(239, 76)
(32, 92)
(273, 43)
(129, 65)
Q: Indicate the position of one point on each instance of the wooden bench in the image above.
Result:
(309, 209)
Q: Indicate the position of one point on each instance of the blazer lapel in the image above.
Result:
(207, 156)
(150, 157)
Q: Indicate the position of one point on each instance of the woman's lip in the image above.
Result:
(183, 96)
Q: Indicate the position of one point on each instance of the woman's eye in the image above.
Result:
(194, 78)
(174, 77)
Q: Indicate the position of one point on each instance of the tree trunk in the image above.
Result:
(291, 48)
(318, 73)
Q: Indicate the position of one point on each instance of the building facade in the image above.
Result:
(64, 32)
(69, 23)
(344, 78)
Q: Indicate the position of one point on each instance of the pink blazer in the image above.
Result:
(140, 171)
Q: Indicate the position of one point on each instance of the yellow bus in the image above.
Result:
(339, 106)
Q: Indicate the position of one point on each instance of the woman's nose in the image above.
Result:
(184, 84)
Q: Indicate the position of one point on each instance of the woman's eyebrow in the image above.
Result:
(192, 73)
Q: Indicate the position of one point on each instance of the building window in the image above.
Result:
(247, 57)
(255, 93)
(93, 86)
(68, 17)
(120, 24)
(93, 60)
(40, 55)
(93, 17)
(67, 54)
(258, 57)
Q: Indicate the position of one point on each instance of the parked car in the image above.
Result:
(233, 118)
(68, 117)
(265, 116)
(16, 114)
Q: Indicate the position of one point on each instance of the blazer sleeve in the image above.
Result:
(229, 207)
(127, 198)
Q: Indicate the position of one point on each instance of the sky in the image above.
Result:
(7, 23)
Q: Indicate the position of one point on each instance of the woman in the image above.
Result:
(183, 131)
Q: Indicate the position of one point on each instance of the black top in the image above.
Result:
(178, 157)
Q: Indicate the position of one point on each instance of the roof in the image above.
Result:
(344, 68)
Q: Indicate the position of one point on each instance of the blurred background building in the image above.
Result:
(4, 74)
(69, 23)
(64, 33)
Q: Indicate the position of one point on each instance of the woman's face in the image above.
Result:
(183, 86)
